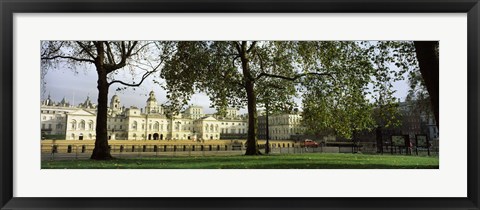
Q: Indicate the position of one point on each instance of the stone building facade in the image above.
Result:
(63, 121)
(280, 126)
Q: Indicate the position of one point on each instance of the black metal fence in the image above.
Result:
(82, 151)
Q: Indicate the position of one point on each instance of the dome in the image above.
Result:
(152, 96)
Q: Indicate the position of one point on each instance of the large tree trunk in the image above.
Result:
(252, 146)
(101, 150)
(427, 57)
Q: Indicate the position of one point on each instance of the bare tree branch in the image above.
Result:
(263, 74)
(110, 57)
(145, 75)
(86, 50)
(68, 57)
(132, 84)
(251, 46)
(238, 47)
(114, 66)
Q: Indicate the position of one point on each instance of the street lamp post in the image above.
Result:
(178, 128)
(267, 146)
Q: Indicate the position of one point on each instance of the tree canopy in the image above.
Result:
(110, 58)
(340, 82)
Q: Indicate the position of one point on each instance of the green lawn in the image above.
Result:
(284, 161)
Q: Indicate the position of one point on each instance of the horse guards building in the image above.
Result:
(64, 121)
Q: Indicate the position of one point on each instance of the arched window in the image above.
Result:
(90, 136)
(134, 125)
(81, 125)
(90, 125)
(206, 127)
(74, 125)
(156, 126)
(211, 128)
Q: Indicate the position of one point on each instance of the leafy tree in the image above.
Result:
(110, 58)
(251, 73)
(342, 82)
(231, 73)
(338, 104)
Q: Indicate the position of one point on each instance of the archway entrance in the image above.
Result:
(161, 136)
(149, 136)
(155, 136)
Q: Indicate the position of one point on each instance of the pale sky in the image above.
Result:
(76, 88)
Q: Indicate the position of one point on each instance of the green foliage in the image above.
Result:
(337, 104)
(215, 67)
(345, 86)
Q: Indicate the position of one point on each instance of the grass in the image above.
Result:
(284, 161)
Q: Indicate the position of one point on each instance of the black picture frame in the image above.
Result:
(10, 7)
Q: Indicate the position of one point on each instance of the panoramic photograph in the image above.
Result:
(239, 104)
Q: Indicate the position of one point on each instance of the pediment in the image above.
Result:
(209, 118)
(82, 112)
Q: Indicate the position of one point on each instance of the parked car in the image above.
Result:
(310, 143)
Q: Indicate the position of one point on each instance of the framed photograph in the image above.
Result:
(53, 150)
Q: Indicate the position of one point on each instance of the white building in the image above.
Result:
(281, 126)
(62, 121)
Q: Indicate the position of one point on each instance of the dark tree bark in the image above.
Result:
(101, 151)
(107, 58)
(427, 57)
(252, 146)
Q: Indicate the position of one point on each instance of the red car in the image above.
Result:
(310, 143)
